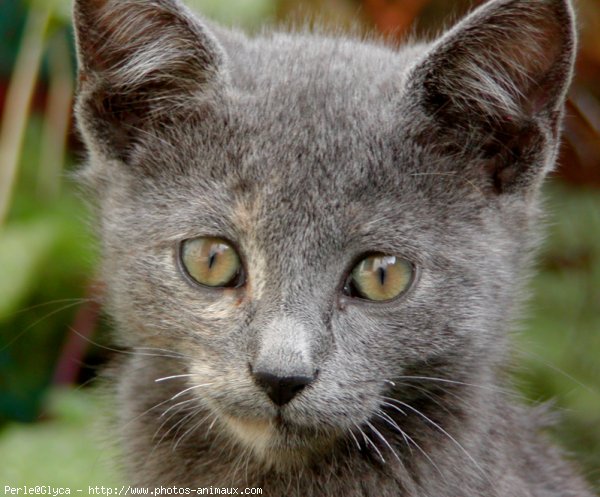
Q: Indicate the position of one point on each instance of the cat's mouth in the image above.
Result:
(278, 439)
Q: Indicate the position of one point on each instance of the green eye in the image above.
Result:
(212, 262)
(379, 277)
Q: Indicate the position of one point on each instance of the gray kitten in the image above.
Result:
(315, 247)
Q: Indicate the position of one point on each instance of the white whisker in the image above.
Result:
(436, 425)
(157, 380)
(176, 405)
(368, 441)
(177, 395)
(355, 439)
(408, 438)
(453, 382)
(385, 416)
(384, 440)
(396, 408)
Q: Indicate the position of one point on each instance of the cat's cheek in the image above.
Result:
(383, 333)
(157, 315)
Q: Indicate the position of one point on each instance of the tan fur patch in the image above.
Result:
(255, 434)
(245, 215)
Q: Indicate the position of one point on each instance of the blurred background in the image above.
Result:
(53, 338)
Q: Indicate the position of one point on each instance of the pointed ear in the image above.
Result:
(141, 62)
(496, 84)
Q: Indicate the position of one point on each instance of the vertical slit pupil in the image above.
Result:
(212, 258)
(382, 275)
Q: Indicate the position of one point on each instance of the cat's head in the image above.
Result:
(310, 219)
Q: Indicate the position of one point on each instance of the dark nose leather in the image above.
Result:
(281, 390)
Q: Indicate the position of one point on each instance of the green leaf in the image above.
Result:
(23, 250)
(60, 10)
(69, 449)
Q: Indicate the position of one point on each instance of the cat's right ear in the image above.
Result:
(141, 63)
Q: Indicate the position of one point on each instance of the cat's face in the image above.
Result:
(311, 160)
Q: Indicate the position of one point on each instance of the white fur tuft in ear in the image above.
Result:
(130, 42)
(140, 62)
(508, 59)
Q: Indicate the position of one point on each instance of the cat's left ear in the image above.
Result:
(495, 86)
(141, 63)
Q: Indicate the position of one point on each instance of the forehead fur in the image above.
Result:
(319, 139)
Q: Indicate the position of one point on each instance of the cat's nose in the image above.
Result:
(281, 389)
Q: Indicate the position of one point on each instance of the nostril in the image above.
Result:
(297, 388)
(281, 389)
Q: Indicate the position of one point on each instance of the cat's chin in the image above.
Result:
(278, 444)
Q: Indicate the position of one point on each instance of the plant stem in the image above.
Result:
(18, 102)
(57, 118)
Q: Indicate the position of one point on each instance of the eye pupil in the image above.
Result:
(211, 262)
(379, 278)
(211, 259)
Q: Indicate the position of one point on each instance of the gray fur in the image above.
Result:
(307, 151)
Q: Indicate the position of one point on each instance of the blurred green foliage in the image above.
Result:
(244, 13)
(65, 450)
(46, 260)
(11, 24)
(559, 349)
